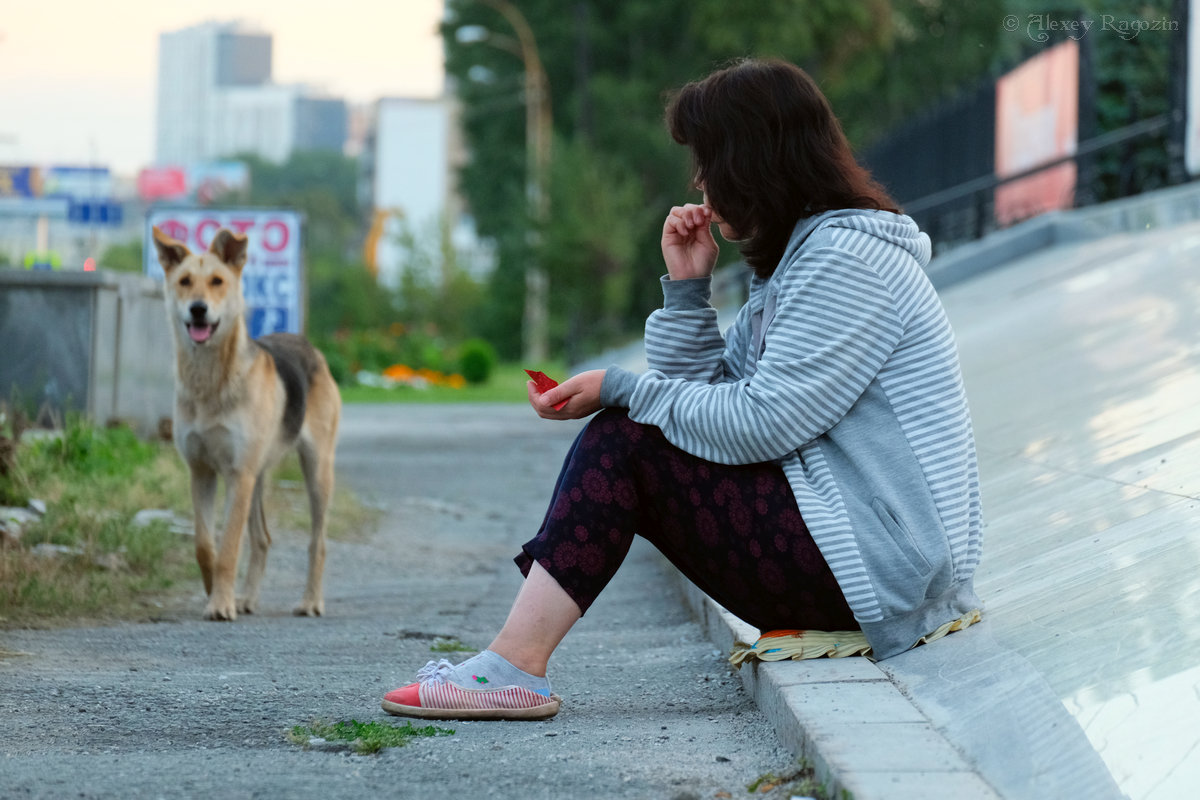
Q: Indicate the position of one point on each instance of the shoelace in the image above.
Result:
(435, 672)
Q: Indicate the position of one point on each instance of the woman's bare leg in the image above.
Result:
(539, 619)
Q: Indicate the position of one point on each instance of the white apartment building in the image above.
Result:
(254, 119)
(412, 152)
(216, 99)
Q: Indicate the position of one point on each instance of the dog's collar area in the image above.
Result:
(201, 333)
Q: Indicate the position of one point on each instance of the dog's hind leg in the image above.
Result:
(316, 459)
(204, 499)
(260, 543)
(239, 488)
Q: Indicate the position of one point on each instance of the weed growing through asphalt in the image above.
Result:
(800, 782)
(443, 644)
(365, 738)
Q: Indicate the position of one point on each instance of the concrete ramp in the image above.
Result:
(1082, 365)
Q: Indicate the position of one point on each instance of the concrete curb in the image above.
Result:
(863, 737)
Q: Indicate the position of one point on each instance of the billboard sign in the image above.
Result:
(272, 280)
(204, 182)
(77, 183)
(210, 180)
(81, 194)
(161, 183)
(1037, 122)
(20, 182)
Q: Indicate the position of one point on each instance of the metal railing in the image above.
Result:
(966, 211)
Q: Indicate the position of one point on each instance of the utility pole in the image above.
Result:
(538, 139)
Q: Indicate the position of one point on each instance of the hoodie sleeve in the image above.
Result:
(683, 339)
(835, 324)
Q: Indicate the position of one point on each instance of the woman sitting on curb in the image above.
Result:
(812, 468)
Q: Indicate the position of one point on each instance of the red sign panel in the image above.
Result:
(1037, 122)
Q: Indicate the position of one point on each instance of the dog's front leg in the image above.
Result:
(204, 498)
(260, 542)
(221, 602)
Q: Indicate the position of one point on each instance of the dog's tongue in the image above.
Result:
(200, 333)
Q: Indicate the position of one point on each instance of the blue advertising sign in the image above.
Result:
(272, 280)
(20, 182)
(95, 212)
(77, 183)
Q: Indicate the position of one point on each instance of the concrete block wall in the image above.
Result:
(94, 343)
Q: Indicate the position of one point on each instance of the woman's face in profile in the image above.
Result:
(727, 232)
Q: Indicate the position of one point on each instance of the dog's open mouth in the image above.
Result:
(201, 333)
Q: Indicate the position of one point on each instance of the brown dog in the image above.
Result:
(240, 404)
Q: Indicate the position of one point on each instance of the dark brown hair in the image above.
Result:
(769, 151)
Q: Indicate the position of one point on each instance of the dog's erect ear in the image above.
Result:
(171, 252)
(230, 247)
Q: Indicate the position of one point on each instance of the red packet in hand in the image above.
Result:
(544, 383)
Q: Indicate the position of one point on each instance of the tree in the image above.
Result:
(323, 187)
(591, 264)
(320, 184)
(617, 174)
(124, 257)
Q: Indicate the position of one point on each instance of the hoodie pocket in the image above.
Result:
(904, 540)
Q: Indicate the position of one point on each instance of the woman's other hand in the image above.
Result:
(582, 393)
(688, 246)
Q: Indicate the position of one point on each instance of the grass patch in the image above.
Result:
(506, 385)
(801, 782)
(364, 737)
(445, 645)
(93, 481)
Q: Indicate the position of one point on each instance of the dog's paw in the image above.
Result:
(309, 608)
(246, 605)
(216, 611)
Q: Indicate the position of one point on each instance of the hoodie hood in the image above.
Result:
(898, 230)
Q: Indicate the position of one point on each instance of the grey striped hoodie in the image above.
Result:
(842, 367)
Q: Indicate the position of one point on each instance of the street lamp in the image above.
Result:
(538, 136)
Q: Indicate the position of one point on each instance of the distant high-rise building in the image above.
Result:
(322, 123)
(243, 58)
(194, 64)
(216, 99)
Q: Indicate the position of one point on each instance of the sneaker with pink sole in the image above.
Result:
(433, 696)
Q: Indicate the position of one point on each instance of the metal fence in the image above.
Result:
(941, 166)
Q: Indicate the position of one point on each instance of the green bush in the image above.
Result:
(477, 360)
(377, 349)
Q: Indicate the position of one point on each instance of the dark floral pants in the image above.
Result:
(734, 531)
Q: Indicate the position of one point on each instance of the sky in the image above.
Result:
(78, 78)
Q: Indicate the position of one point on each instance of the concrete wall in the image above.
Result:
(90, 342)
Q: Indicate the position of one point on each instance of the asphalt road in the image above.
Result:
(187, 708)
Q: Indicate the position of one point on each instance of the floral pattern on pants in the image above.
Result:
(733, 530)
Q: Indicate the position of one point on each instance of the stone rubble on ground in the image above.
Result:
(14, 520)
(177, 523)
